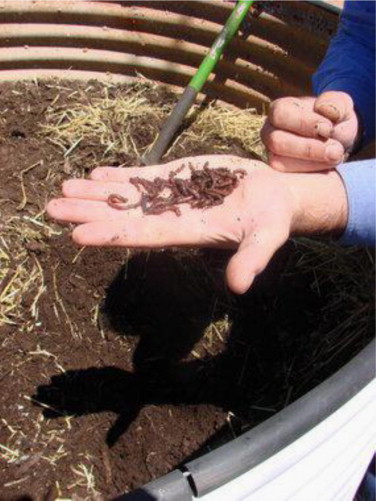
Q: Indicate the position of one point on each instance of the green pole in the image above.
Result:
(228, 31)
(189, 95)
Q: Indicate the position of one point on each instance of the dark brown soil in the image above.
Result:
(117, 373)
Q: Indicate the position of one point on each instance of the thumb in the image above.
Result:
(252, 257)
(337, 106)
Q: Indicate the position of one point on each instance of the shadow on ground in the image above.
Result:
(167, 304)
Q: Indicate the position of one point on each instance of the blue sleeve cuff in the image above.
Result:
(359, 179)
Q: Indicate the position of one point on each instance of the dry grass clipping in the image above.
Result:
(242, 126)
(113, 123)
(21, 274)
(349, 275)
(109, 122)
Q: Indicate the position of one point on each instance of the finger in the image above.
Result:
(334, 105)
(292, 114)
(98, 190)
(287, 164)
(204, 223)
(291, 145)
(254, 254)
(346, 132)
(74, 210)
(142, 232)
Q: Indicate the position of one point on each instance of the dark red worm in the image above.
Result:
(120, 203)
(207, 187)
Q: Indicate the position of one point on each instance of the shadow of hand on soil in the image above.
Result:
(167, 300)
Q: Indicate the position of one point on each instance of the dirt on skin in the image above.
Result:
(115, 368)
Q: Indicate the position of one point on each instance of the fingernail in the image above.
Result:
(330, 111)
(323, 129)
(334, 153)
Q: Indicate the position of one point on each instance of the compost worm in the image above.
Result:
(206, 187)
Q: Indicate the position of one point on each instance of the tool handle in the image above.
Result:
(225, 36)
(170, 127)
(188, 97)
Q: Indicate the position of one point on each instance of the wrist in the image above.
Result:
(319, 203)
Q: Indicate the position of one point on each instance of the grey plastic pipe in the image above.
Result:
(222, 465)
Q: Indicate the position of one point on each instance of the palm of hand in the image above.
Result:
(255, 218)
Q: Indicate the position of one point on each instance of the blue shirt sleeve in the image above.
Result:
(359, 179)
(349, 64)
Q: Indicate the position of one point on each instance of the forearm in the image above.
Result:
(320, 203)
(339, 203)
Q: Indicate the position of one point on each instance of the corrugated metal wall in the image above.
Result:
(165, 41)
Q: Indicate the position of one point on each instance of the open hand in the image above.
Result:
(310, 134)
(254, 220)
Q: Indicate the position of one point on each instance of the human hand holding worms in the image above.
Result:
(255, 218)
